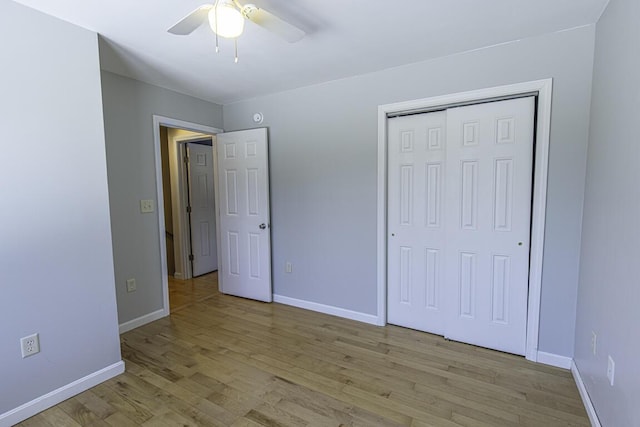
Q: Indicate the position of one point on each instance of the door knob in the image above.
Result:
(263, 226)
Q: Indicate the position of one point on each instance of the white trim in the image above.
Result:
(544, 90)
(216, 201)
(142, 320)
(326, 309)
(586, 400)
(178, 124)
(61, 394)
(556, 360)
(539, 215)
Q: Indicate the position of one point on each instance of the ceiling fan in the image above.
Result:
(226, 19)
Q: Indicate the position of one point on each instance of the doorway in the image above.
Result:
(165, 202)
(189, 202)
(542, 91)
(242, 215)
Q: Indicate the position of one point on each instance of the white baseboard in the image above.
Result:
(177, 275)
(327, 309)
(143, 320)
(41, 403)
(588, 404)
(551, 359)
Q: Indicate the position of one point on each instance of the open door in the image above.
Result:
(201, 209)
(245, 238)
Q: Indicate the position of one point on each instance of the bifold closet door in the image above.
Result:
(466, 248)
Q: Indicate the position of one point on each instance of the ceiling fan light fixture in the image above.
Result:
(226, 20)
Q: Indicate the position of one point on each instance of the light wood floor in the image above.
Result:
(225, 361)
(185, 293)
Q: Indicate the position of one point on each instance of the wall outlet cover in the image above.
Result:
(30, 345)
(146, 206)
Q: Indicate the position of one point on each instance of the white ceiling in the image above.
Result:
(345, 38)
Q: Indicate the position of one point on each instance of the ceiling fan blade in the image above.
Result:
(272, 23)
(192, 21)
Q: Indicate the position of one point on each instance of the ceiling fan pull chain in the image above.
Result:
(235, 42)
(216, 31)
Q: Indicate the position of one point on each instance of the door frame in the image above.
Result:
(543, 90)
(175, 124)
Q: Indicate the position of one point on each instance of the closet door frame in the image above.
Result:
(542, 89)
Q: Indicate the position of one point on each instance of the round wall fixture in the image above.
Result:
(258, 117)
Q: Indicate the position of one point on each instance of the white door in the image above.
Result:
(202, 206)
(415, 221)
(245, 240)
(490, 159)
(476, 266)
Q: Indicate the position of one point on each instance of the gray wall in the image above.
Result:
(324, 163)
(129, 106)
(609, 291)
(56, 266)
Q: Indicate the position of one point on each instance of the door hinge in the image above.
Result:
(188, 209)
(191, 257)
(186, 159)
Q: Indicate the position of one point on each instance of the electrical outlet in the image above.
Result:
(288, 267)
(30, 345)
(146, 206)
(594, 342)
(611, 370)
(131, 285)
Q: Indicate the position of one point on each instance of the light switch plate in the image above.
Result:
(146, 206)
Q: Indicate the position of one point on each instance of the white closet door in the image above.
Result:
(489, 164)
(459, 218)
(416, 221)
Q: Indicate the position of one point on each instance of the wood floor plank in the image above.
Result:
(118, 419)
(37, 421)
(57, 417)
(225, 361)
(131, 409)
